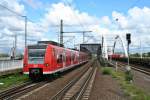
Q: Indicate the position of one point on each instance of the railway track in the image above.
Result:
(79, 87)
(20, 90)
(134, 67)
(143, 70)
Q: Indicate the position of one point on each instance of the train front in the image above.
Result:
(34, 61)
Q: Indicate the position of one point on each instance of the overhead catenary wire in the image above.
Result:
(11, 10)
(17, 14)
(78, 19)
(26, 18)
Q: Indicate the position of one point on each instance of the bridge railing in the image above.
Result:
(6, 65)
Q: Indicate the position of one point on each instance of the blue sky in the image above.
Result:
(101, 9)
(106, 7)
(96, 15)
(96, 8)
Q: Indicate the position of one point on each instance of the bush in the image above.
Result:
(128, 76)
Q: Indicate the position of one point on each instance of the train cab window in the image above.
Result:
(36, 56)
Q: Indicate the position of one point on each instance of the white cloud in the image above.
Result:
(59, 11)
(135, 21)
(70, 16)
(12, 23)
(13, 5)
(105, 20)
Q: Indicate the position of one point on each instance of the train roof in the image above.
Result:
(36, 46)
(50, 42)
(44, 44)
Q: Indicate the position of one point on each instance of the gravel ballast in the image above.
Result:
(106, 88)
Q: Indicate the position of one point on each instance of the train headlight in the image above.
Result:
(46, 64)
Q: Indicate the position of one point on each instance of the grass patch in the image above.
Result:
(107, 71)
(129, 88)
(12, 80)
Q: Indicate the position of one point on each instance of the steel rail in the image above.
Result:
(138, 69)
(63, 91)
(83, 89)
(20, 90)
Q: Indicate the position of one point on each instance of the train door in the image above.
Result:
(72, 57)
(69, 58)
(79, 57)
(78, 60)
(64, 58)
(59, 59)
(75, 57)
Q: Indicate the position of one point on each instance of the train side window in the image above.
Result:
(60, 58)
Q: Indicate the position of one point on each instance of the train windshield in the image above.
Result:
(36, 56)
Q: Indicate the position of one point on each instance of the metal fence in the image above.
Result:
(6, 65)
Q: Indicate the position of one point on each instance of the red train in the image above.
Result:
(115, 56)
(44, 59)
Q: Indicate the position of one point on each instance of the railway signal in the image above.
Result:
(128, 38)
(129, 75)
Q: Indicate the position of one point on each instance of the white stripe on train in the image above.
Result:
(61, 69)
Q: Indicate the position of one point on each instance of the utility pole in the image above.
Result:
(102, 42)
(61, 31)
(83, 37)
(15, 46)
(83, 32)
(141, 49)
(128, 54)
(25, 30)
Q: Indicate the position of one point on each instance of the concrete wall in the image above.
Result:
(6, 65)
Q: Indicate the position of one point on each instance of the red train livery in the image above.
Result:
(41, 59)
(115, 56)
